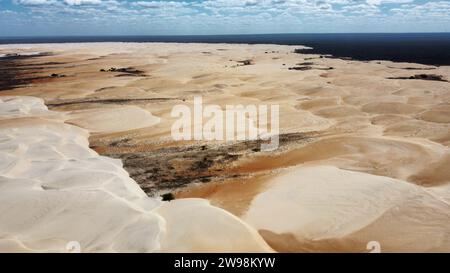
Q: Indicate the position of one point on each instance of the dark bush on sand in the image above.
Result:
(168, 197)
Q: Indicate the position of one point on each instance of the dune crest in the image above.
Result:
(363, 155)
(324, 208)
(54, 190)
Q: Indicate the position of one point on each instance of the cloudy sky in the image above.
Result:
(139, 17)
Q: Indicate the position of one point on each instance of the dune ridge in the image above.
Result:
(54, 190)
(364, 146)
(324, 206)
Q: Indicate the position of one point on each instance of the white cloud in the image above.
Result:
(251, 2)
(380, 2)
(160, 4)
(240, 16)
(34, 2)
(7, 12)
(436, 10)
(82, 2)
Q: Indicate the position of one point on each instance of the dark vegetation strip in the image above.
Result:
(425, 77)
(170, 168)
(14, 72)
(104, 101)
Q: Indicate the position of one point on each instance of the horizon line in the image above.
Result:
(205, 35)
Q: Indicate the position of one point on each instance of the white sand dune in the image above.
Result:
(113, 119)
(312, 208)
(386, 138)
(54, 189)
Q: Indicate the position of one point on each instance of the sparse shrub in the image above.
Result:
(167, 197)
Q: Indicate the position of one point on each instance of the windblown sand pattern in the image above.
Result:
(364, 151)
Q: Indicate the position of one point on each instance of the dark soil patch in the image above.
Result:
(168, 169)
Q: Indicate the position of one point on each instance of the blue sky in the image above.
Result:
(185, 17)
